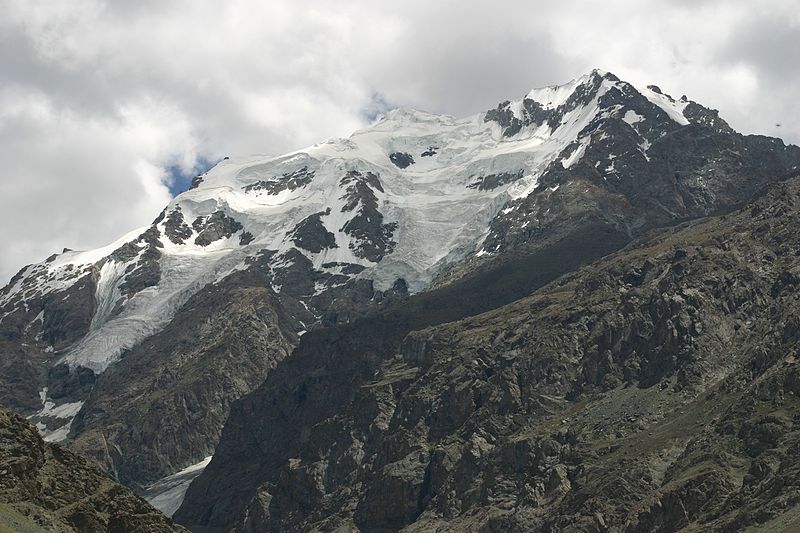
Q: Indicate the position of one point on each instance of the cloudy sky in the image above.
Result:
(104, 105)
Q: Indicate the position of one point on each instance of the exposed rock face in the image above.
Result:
(654, 390)
(143, 268)
(493, 181)
(429, 152)
(31, 335)
(641, 168)
(403, 159)
(287, 181)
(321, 298)
(176, 228)
(163, 405)
(196, 181)
(352, 354)
(45, 487)
(311, 234)
(372, 239)
(216, 226)
(69, 384)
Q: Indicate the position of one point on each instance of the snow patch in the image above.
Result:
(632, 117)
(674, 109)
(576, 155)
(167, 494)
(65, 411)
(556, 95)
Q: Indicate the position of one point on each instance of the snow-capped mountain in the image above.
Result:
(397, 200)
(340, 228)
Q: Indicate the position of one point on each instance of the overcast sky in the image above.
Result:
(103, 103)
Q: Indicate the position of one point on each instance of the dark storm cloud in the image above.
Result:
(103, 103)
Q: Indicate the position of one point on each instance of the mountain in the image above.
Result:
(132, 354)
(654, 390)
(45, 487)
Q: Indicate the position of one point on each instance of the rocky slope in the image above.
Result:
(142, 418)
(46, 488)
(134, 352)
(655, 390)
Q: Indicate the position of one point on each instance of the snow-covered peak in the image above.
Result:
(548, 104)
(400, 199)
(553, 96)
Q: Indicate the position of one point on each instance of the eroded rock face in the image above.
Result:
(176, 228)
(196, 181)
(36, 325)
(142, 254)
(669, 368)
(45, 487)
(492, 181)
(373, 335)
(708, 171)
(633, 167)
(321, 298)
(371, 238)
(287, 181)
(214, 227)
(65, 384)
(311, 234)
(403, 159)
(221, 345)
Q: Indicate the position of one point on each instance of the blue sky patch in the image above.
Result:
(179, 181)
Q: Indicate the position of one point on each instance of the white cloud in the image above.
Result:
(97, 97)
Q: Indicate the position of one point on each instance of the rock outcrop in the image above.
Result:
(46, 488)
(162, 406)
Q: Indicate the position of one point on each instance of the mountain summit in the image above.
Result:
(134, 352)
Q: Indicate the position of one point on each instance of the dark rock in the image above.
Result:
(68, 314)
(288, 180)
(214, 227)
(176, 228)
(69, 385)
(311, 234)
(146, 272)
(45, 487)
(686, 172)
(175, 388)
(401, 159)
(492, 181)
(347, 268)
(534, 114)
(372, 239)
